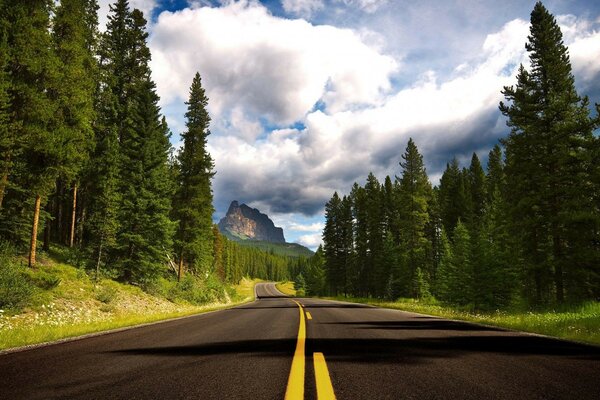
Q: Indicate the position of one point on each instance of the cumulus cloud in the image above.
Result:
(264, 75)
(272, 67)
(311, 241)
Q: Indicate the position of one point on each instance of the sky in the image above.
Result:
(309, 96)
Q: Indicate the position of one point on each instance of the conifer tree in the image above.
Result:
(193, 200)
(7, 139)
(32, 68)
(376, 275)
(477, 186)
(413, 200)
(331, 234)
(74, 92)
(495, 173)
(452, 196)
(358, 272)
(461, 281)
(550, 144)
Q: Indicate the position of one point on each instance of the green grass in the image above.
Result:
(579, 323)
(66, 302)
(286, 288)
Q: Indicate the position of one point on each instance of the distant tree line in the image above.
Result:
(85, 157)
(526, 228)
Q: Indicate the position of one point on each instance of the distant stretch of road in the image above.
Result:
(278, 347)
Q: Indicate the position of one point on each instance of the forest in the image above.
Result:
(526, 230)
(86, 161)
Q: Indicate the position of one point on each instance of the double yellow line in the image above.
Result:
(295, 387)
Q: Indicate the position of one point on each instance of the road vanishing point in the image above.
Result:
(294, 348)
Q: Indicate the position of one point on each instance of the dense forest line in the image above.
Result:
(86, 160)
(525, 231)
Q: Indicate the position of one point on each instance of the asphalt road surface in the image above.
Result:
(277, 347)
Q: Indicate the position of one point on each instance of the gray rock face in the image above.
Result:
(243, 222)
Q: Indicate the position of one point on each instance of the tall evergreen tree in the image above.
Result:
(74, 92)
(452, 196)
(413, 200)
(193, 200)
(495, 177)
(376, 275)
(7, 138)
(477, 186)
(549, 145)
(360, 263)
(32, 68)
(331, 244)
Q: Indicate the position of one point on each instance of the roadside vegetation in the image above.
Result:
(579, 323)
(287, 288)
(57, 300)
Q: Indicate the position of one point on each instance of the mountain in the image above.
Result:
(243, 222)
(250, 227)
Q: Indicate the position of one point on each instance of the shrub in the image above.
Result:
(106, 294)
(15, 289)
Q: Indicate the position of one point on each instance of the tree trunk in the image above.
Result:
(180, 271)
(34, 230)
(73, 215)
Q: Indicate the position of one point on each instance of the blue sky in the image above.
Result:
(309, 96)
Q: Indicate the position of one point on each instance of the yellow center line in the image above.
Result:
(295, 387)
(324, 386)
(308, 316)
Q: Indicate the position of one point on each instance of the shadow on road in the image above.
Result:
(432, 324)
(368, 350)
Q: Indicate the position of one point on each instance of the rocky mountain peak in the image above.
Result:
(243, 222)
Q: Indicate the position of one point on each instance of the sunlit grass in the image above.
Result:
(579, 323)
(73, 304)
(286, 288)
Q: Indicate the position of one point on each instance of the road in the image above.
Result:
(263, 349)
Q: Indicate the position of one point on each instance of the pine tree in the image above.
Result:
(477, 185)
(74, 92)
(495, 177)
(413, 200)
(445, 274)
(461, 283)
(360, 263)
(549, 166)
(376, 275)
(7, 139)
(331, 234)
(315, 274)
(34, 158)
(452, 196)
(193, 200)
(130, 115)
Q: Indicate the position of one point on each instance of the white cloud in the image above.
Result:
(314, 227)
(260, 70)
(311, 241)
(272, 67)
(303, 8)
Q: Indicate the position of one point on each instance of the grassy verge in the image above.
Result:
(286, 288)
(580, 323)
(65, 302)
